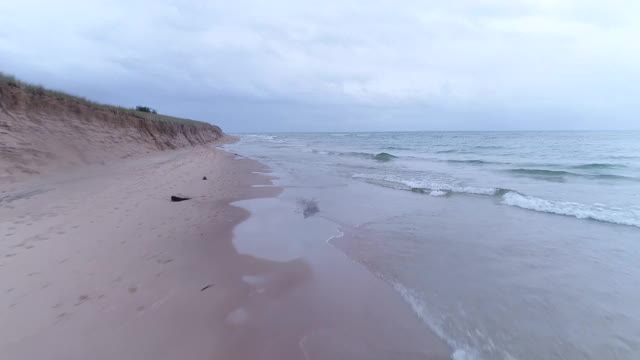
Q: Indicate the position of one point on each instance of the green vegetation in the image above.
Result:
(142, 112)
(146, 109)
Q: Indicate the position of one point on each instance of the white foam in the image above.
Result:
(259, 136)
(460, 352)
(427, 184)
(263, 137)
(474, 190)
(601, 212)
(338, 235)
(598, 212)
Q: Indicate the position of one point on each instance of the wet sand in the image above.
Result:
(339, 310)
(99, 264)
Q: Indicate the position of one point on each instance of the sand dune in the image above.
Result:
(43, 131)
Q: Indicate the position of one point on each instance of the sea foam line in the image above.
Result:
(460, 351)
(581, 211)
(598, 212)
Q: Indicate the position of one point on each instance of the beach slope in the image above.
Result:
(102, 265)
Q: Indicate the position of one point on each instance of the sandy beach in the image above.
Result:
(361, 180)
(99, 263)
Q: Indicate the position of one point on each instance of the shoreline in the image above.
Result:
(493, 281)
(333, 305)
(104, 264)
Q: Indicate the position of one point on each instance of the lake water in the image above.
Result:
(509, 245)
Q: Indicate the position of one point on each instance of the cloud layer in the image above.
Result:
(351, 65)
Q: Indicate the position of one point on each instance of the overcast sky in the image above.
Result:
(336, 65)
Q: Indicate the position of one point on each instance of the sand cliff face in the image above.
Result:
(41, 132)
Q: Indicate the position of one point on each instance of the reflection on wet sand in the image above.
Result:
(312, 302)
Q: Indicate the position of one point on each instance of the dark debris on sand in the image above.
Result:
(176, 198)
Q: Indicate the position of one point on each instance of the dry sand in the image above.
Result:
(99, 264)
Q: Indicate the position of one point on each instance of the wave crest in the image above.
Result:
(598, 166)
(472, 162)
(383, 156)
(555, 175)
(598, 212)
(541, 172)
(581, 211)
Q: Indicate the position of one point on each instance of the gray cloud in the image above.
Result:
(348, 65)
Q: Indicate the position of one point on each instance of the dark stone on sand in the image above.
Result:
(175, 198)
(204, 178)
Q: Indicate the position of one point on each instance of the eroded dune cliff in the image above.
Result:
(42, 131)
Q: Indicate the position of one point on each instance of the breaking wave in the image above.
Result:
(598, 212)
(382, 157)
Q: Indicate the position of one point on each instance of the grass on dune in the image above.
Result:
(38, 90)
